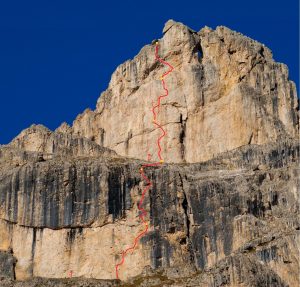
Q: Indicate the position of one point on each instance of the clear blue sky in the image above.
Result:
(57, 56)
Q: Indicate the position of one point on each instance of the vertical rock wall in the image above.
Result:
(226, 91)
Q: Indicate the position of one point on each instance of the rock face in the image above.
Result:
(226, 89)
(7, 264)
(223, 210)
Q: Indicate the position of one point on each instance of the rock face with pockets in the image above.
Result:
(223, 208)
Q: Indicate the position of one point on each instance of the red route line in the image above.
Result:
(143, 212)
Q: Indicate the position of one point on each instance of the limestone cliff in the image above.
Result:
(226, 89)
(223, 209)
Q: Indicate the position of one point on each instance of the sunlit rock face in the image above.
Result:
(226, 91)
(222, 209)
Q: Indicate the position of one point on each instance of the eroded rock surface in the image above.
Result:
(78, 214)
(223, 209)
(226, 91)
